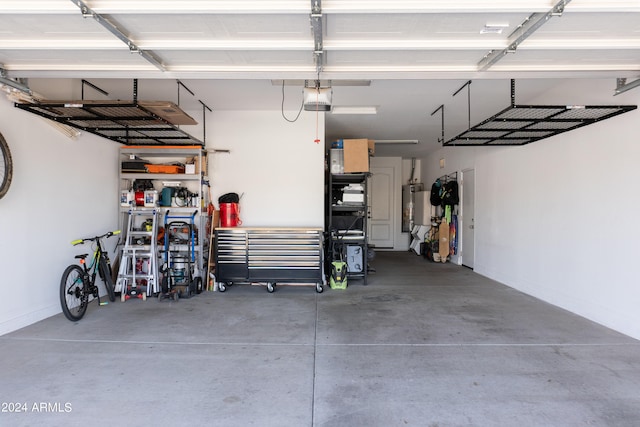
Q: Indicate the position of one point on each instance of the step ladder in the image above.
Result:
(138, 272)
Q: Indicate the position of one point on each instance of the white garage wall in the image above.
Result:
(61, 190)
(557, 219)
(275, 165)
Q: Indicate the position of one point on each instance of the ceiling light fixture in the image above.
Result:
(300, 82)
(354, 110)
(397, 141)
(494, 28)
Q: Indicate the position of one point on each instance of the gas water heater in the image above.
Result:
(408, 205)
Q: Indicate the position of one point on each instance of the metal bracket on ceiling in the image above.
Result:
(521, 33)
(135, 90)
(441, 108)
(468, 86)
(91, 85)
(19, 84)
(87, 12)
(205, 107)
(180, 84)
(623, 86)
(316, 27)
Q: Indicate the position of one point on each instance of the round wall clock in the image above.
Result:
(6, 167)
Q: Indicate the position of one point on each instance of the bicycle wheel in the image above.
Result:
(73, 299)
(105, 273)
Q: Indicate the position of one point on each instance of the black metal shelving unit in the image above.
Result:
(347, 223)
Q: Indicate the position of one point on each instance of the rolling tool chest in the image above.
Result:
(269, 255)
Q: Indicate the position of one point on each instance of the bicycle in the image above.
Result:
(78, 285)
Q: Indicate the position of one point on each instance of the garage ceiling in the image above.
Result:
(414, 53)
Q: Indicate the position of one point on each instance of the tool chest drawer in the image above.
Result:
(231, 253)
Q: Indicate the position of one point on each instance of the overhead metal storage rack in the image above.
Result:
(127, 122)
(524, 124)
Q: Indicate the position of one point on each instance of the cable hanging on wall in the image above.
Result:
(282, 107)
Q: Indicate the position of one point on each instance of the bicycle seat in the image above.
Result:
(83, 256)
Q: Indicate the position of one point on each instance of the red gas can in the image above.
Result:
(230, 215)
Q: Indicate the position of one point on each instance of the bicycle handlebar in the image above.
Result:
(91, 239)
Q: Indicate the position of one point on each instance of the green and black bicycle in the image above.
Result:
(78, 284)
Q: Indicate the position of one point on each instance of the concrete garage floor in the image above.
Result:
(423, 344)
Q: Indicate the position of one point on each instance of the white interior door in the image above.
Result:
(468, 225)
(384, 206)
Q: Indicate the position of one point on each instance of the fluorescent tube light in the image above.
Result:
(494, 27)
(354, 110)
(397, 141)
(323, 83)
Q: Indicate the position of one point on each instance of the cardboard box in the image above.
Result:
(353, 198)
(216, 220)
(356, 155)
(197, 168)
